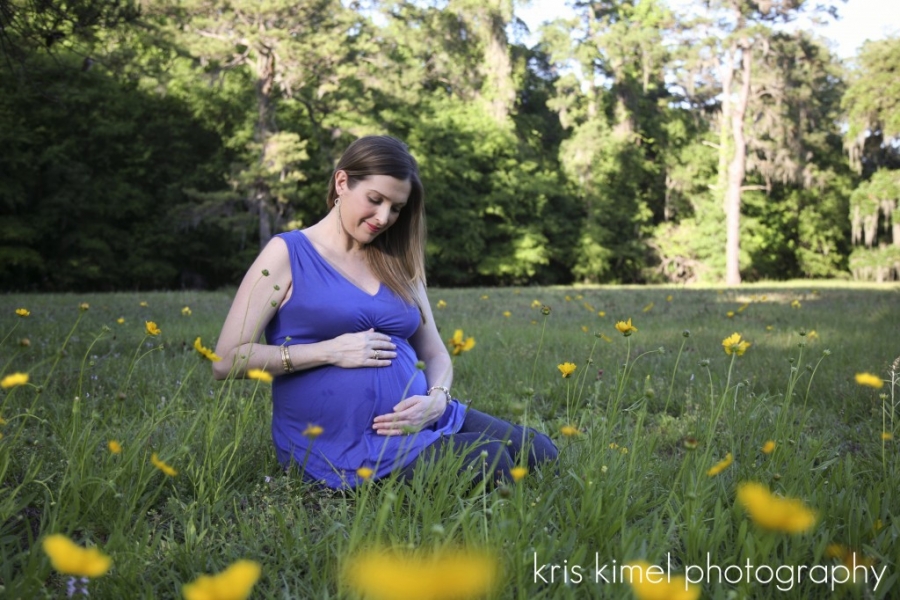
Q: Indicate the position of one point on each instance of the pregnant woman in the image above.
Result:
(362, 376)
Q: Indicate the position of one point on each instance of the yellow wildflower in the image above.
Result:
(669, 298)
(733, 344)
(730, 314)
(588, 307)
(768, 447)
(234, 583)
(385, 575)
(23, 312)
(886, 436)
(518, 473)
(721, 465)
(507, 314)
(566, 369)
(144, 304)
(648, 308)
(651, 582)
(84, 306)
(186, 311)
(24, 342)
(626, 328)
(441, 304)
(812, 335)
(313, 431)
(568, 298)
(206, 352)
(774, 512)
(601, 313)
(69, 558)
(120, 320)
(742, 307)
(870, 380)
(459, 344)
(365, 473)
(154, 458)
(769, 327)
(569, 430)
(114, 447)
(151, 328)
(605, 338)
(259, 375)
(796, 304)
(14, 380)
(536, 304)
(584, 328)
(484, 296)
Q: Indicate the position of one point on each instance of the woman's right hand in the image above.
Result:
(363, 349)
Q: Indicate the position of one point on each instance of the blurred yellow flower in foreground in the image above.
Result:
(23, 312)
(69, 558)
(234, 583)
(441, 304)
(386, 575)
(365, 473)
(260, 375)
(625, 328)
(114, 446)
(734, 344)
(460, 344)
(651, 582)
(768, 447)
(186, 311)
(566, 369)
(13, 380)
(151, 328)
(313, 431)
(721, 465)
(769, 511)
(870, 380)
(569, 430)
(206, 352)
(518, 473)
(162, 466)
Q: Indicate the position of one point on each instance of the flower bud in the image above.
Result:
(686, 333)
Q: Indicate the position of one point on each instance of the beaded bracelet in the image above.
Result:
(286, 360)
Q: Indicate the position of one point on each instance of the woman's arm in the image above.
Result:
(258, 298)
(416, 412)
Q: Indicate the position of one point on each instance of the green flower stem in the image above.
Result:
(674, 372)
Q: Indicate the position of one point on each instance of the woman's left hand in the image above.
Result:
(411, 415)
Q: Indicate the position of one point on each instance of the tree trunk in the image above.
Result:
(736, 171)
(261, 197)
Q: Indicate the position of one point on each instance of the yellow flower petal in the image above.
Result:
(626, 328)
(518, 473)
(385, 575)
(260, 375)
(870, 380)
(234, 583)
(114, 446)
(721, 465)
(769, 511)
(13, 380)
(651, 582)
(151, 328)
(768, 447)
(69, 558)
(566, 369)
(162, 466)
(365, 473)
(23, 312)
(313, 431)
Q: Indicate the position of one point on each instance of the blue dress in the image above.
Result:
(344, 402)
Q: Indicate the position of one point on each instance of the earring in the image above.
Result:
(337, 200)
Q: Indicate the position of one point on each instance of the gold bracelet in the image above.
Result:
(442, 388)
(286, 360)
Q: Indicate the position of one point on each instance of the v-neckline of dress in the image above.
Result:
(338, 271)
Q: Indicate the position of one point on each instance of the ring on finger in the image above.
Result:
(377, 355)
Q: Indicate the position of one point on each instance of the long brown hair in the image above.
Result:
(397, 256)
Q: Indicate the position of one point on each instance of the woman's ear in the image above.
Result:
(341, 182)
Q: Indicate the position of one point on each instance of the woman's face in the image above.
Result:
(372, 205)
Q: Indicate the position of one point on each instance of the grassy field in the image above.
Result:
(664, 428)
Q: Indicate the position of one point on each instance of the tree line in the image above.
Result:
(158, 144)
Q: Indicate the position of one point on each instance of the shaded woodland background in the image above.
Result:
(159, 144)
